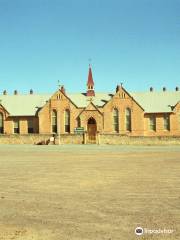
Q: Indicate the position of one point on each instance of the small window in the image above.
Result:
(1, 123)
(128, 119)
(152, 123)
(16, 126)
(67, 121)
(166, 122)
(59, 96)
(54, 121)
(30, 126)
(116, 120)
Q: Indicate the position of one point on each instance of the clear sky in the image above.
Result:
(136, 42)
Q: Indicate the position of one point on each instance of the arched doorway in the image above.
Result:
(91, 130)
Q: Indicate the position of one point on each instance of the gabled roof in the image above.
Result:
(131, 97)
(23, 105)
(27, 105)
(91, 107)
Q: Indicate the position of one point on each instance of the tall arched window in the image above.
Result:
(115, 120)
(128, 119)
(54, 121)
(78, 122)
(67, 121)
(1, 123)
(166, 122)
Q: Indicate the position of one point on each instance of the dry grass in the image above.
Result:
(88, 192)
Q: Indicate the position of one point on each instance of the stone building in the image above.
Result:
(148, 113)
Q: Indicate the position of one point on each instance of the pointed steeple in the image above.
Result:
(90, 84)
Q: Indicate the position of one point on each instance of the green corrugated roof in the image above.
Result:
(80, 99)
(157, 101)
(23, 105)
(27, 105)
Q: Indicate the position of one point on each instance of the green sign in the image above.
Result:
(79, 130)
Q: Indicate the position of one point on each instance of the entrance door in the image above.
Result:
(91, 129)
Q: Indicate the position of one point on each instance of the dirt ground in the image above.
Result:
(88, 192)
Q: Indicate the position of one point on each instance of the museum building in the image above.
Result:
(150, 113)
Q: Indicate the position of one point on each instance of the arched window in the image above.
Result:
(54, 121)
(67, 121)
(1, 123)
(115, 120)
(78, 122)
(128, 119)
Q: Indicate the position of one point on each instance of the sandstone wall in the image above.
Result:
(79, 139)
(142, 140)
(40, 139)
(71, 139)
(23, 138)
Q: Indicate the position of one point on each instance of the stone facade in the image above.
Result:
(131, 119)
(42, 123)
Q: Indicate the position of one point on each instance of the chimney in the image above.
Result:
(151, 89)
(4, 92)
(63, 90)
(31, 91)
(15, 92)
(177, 89)
(164, 89)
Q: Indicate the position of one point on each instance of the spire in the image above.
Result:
(90, 83)
(90, 78)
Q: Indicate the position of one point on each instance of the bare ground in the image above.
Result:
(88, 192)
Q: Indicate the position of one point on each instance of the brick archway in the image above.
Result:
(86, 115)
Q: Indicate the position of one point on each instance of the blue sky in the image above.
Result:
(136, 42)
